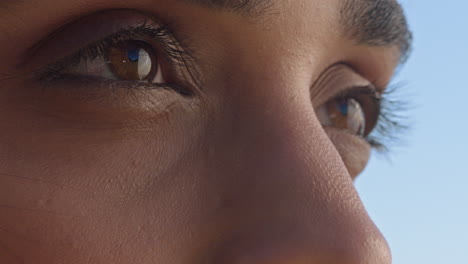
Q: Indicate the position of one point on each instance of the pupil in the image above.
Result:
(133, 55)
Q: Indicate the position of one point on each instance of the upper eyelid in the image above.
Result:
(83, 32)
(336, 79)
(120, 36)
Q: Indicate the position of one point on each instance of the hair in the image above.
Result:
(378, 23)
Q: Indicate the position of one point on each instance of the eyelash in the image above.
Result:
(390, 111)
(393, 120)
(173, 53)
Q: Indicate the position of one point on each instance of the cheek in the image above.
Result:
(68, 191)
(354, 151)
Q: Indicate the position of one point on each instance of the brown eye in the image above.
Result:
(347, 114)
(134, 61)
(356, 112)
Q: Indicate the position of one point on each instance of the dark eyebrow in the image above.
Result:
(370, 22)
(377, 23)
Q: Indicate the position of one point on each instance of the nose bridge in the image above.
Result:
(279, 142)
(288, 189)
(285, 160)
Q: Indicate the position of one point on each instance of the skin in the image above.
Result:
(243, 172)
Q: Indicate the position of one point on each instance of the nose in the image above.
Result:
(288, 198)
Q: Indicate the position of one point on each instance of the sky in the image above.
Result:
(418, 196)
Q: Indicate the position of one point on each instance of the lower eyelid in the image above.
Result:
(108, 94)
(354, 150)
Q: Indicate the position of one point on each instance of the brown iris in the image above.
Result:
(133, 61)
(347, 114)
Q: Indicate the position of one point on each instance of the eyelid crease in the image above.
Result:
(334, 80)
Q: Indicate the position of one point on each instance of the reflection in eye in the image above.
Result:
(355, 111)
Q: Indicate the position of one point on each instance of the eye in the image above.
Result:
(131, 60)
(145, 56)
(355, 111)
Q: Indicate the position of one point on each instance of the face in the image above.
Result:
(172, 131)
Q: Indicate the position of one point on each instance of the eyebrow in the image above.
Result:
(377, 23)
(369, 22)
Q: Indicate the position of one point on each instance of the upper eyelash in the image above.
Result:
(392, 122)
(173, 52)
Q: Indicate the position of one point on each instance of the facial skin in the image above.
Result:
(239, 170)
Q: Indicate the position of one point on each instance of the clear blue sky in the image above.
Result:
(420, 199)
